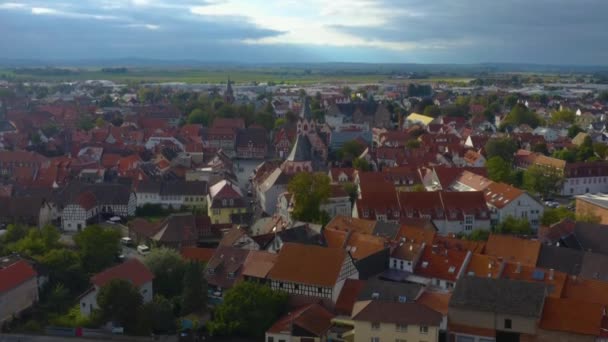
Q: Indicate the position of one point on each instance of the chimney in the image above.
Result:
(551, 273)
(518, 268)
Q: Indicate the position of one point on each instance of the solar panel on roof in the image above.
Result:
(538, 275)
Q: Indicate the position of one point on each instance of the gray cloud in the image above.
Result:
(442, 31)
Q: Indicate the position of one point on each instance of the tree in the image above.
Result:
(65, 268)
(574, 130)
(119, 301)
(37, 241)
(86, 123)
(168, 268)
(309, 191)
(156, 317)
(361, 164)
(97, 247)
(106, 101)
(515, 226)
(432, 110)
(478, 235)
(197, 116)
(541, 182)
(248, 309)
(117, 121)
(194, 293)
(412, 144)
(567, 154)
(99, 122)
(540, 148)
(521, 115)
(565, 116)
(554, 215)
(350, 150)
(280, 122)
(504, 148)
(352, 191)
(601, 150)
(585, 151)
(499, 170)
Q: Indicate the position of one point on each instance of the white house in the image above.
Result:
(507, 201)
(174, 194)
(81, 203)
(132, 270)
(312, 271)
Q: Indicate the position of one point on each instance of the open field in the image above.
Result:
(217, 75)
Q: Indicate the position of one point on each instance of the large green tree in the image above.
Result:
(309, 191)
(565, 116)
(499, 170)
(521, 115)
(515, 226)
(168, 268)
(541, 181)
(350, 150)
(98, 247)
(554, 215)
(248, 309)
(119, 301)
(156, 317)
(504, 148)
(194, 293)
(65, 268)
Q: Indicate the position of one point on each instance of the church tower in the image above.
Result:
(306, 123)
(229, 93)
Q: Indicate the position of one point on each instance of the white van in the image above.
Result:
(143, 249)
(126, 241)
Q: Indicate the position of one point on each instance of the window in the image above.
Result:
(400, 340)
(375, 326)
(508, 323)
(424, 329)
(270, 339)
(375, 339)
(402, 327)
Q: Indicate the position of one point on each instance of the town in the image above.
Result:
(401, 210)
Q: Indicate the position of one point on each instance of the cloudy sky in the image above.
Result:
(399, 31)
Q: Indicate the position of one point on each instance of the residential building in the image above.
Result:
(513, 249)
(579, 178)
(309, 323)
(251, 143)
(312, 271)
(225, 203)
(593, 205)
(174, 231)
(488, 309)
(132, 270)
(80, 204)
(18, 287)
(224, 269)
(172, 194)
(443, 267)
(378, 321)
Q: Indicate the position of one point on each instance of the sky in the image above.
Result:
(572, 32)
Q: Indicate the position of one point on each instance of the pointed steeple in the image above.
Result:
(306, 111)
(229, 93)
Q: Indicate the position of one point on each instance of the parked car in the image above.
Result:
(143, 249)
(126, 241)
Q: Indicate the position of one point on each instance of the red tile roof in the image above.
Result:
(307, 264)
(572, 316)
(313, 318)
(15, 274)
(197, 253)
(348, 296)
(513, 249)
(440, 263)
(131, 270)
